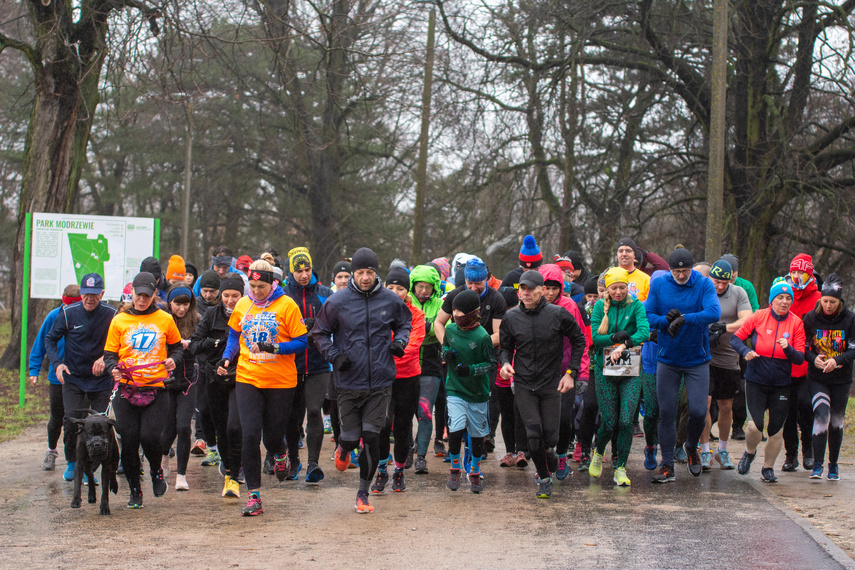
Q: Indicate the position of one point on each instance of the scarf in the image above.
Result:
(469, 321)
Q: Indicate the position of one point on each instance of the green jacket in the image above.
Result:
(623, 316)
(431, 307)
(749, 288)
(474, 348)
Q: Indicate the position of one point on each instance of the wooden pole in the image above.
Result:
(715, 177)
(421, 176)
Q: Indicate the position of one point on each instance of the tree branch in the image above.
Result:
(24, 47)
(832, 136)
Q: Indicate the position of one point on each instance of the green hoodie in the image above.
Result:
(623, 316)
(432, 306)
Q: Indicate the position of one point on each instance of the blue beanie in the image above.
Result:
(778, 288)
(721, 269)
(530, 254)
(475, 270)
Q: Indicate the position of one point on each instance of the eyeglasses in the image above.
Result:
(681, 271)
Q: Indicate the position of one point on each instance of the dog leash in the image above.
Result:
(127, 374)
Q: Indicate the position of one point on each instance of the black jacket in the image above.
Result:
(310, 299)
(835, 338)
(85, 335)
(214, 325)
(532, 340)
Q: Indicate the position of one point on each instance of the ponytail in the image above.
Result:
(604, 325)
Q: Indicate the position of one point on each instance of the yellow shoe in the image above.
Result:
(596, 468)
(231, 488)
(620, 477)
(226, 486)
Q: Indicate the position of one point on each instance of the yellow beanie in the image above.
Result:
(616, 275)
(298, 258)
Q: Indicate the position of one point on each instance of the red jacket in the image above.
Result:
(408, 365)
(552, 272)
(804, 301)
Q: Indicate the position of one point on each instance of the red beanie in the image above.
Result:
(802, 262)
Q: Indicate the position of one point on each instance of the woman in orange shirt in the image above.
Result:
(267, 328)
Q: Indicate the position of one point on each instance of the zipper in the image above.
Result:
(368, 339)
(305, 352)
(775, 343)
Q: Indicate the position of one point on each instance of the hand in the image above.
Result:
(751, 355)
(716, 330)
(620, 337)
(117, 376)
(98, 367)
(654, 336)
(60, 373)
(672, 314)
(342, 363)
(185, 344)
(450, 356)
(463, 370)
(209, 344)
(566, 383)
(676, 325)
(782, 342)
(581, 386)
(507, 371)
(397, 348)
(830, 365)
(309, 322)
(169, 364)
(820, 362)
(34, 379)
(222, 367)
(617, 354)
(266, 347)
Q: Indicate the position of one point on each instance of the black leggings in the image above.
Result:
(75, 401)
(540, 411)
(455, 442)
(140, 425)
(439, 410)
(57, 411)
(262, 410)
(829, 409)
(504, 397)
(178, 419)
(799, 417)
(224, 411)
(759, 398)
(399, 419)
(590, 409)
(206, 429)
(335, 417)
(308, 402)
(566, 429)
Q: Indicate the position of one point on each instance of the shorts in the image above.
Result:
(363, 409)
(471, 416)
(724, 383)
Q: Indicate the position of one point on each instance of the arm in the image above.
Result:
(37, 354)
(442, 319)
(711, 309)
(203, 329)
(737, 341)
(326, 323)
(57, 331)
(497, 323)
(742, 317)
(570, 329)
(651, 307)
(233, 345)
(402, 326)
(417, 336)
(506, 341)
(488, 353)
(175, 351)
(293, 346)
(642, 327)
(794, 350)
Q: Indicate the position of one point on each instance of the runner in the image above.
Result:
(775, 334)
(639, 281)
(530, 258)
(206, 441)
(340, 274)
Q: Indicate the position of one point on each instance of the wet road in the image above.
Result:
(719, 520)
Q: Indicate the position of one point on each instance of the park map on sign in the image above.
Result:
(88, 254)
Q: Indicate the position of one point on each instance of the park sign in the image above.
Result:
(66, 247)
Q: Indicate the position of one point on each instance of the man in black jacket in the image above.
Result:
(85, 382)
(532, 342)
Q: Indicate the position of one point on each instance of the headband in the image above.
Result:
(69, 300)
(221, 259)
(179, 291)
(261, 275)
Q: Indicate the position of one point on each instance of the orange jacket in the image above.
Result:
(408, 365)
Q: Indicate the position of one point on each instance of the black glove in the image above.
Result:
(342, 363)
(309, 322)
(676, 325)
(581, 386)
(716, 331)
(450, 356)
(209, 344)
(397, 348)
(463, 370)
(654, 335)
(672, 314)
(222, 363)
(621, 337)
(267, 347)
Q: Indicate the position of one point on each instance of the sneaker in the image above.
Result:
(680, 454)
(49, 463)
(520, 461)
(563, 468)
(738, 434)
(665, 474)
(790, 464)
(327, 424)
(584, 461)
(489, 444)
(342, 459)
(507, 460)
(453, 480)
(268, 464)
(281, 467)
(596, 468)
(314, 474)
(380, 482)
(199, 448)
(438, 448)
(159, 486)
(723, 457)
(706, 460)
(745, 463)
(693, 460)
(398, 484)
(475, 483)
(551, 460)
(362, 506)
(181, 483)
(636, 430)
(86, 480)
(767, 475)
(807, 460)
(410, 457)
(650, 457)
(620, 477)
(253, 507)
(294, 471)
(135, 501)
(577, 452)
(354, 460)
(68, 475)
(213, 458)
(165, 465)
(120, 470)
(421, 465)
(817, 471)
(833, 472)
(544, 488)
(227, 482)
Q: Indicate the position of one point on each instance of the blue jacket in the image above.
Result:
(85, 335)
(310, 299)
(197, 286)
(37, 354)
(698, 303)
(361, 326)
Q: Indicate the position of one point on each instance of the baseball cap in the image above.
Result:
(532, 279)
(144, 284)
(91, 284)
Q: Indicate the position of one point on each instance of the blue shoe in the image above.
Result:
(294, 471)
(68, 475)
(354, 459)
(563, 468)
(314, 474)
(650, 458)
(817, 471)
(680, 455)
(833, 472)
(86, 479)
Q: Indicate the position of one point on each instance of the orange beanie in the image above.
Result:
(175, 269)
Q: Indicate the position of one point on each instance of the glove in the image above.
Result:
(581, 386)
(463, 370)
(621, 337)
(672, 314)
(450, 356)
(221, 363)
(268, 347)
(716, 331)
(654, 335)
(309, 322)
(209, 344)
(342, 363)
(676, 325)
(397, 348)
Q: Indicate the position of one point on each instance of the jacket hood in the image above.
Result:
(425, 274)
(808, 290)
(551, 272)
(292, 283)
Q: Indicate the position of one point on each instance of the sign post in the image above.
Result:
(25, 306)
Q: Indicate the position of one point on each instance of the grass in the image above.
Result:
(14, 419)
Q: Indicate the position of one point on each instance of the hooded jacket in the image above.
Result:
(698, 302)
(651, 262)
(552, 272)
(408, 365)
(834, 337)
(431, 363)
(765, 328)
(38, 352)
(215, 325)
(623, 316)
(310, 299)
(360, 325)
(804, 301)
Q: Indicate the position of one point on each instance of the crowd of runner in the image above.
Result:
(563, 360)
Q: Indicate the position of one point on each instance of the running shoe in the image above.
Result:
(199, 448)
(636, 430)
(294, 471)
(135, 501)
(86, 480)
(767, 475)
(354, 460)
(723, 457)
(213, 458)
(253, 507)
(421, 465)
(738, 434)
(342, 459)
(584, 461)
(268, 464)
(817, 471)
(280, 467)
(438, 448)
(398, 484)
(807, 460)
(745, 463)
(181, 483)
(380, 482)
(650, 457)
(489, 444)
(362, 506)
(551, 460)
(706, 460)
(544, 488)
(833, 472)
(620, 477)
(596, 468)
(158, 485)
(521, 462)
(790, 464)
(327, 425)
(665, 474)
(49, 463)
(563, 468)
(410, 457)
(475, 483)
(231, 488)
(680, 455)
(68, 474)
(314, 474)
(507, 460)
(453, 480)
(693, 460)
(577, 452)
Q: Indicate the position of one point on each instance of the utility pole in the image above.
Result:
(421, 176)
(715, 176)
(188, 167)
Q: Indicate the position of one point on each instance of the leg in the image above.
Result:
(839, 399)
(565, 426)
(651, 408)
(590, 409)
(204, 416)
(791, 427)
(186, 405)
(697, 389)
(335, 417)
(128, 427)
(778, 408)
(528, 404)
(428, 388)
(505, 397)
(277, 410)
(607, 396)
(375, 409)
(405, 410)
(315, 393)
(705, 435)
(439, 412)
(250, 404)
(821, 420)
(667, 386)
(295, 419)
(151, 428)
(74, 400)
(756, 403)
(630, 391)
(57, 412)
(170, 427)
(805, 420)
(217, 395)
(235, 435)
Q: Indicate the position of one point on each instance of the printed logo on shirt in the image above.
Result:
(261, 327)
(831, 343)
(632, 287)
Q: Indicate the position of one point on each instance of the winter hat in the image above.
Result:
(398, 262)
(778, 288)
(459, 261)
(398, 276)
(512, 297)
(243, 262)
(190, 269)
(151, 265)
(128, 293)
(564, 263)
(342, 266)
(299, 258)
(802, 262)
(530, 254)
(443, 266)
(466, 301)
(680, 258)
(732, 260)
(232, 282)
(575, 258)
(833, 286)
(364, 258)
(591, 286)
(628, 243)
(531, 278)
(721, 269)
(210, 279)
(616, 275)
(475, 270)
(175, 269)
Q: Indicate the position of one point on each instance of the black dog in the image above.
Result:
(96, 446)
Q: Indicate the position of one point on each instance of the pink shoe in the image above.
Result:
(577, 452)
